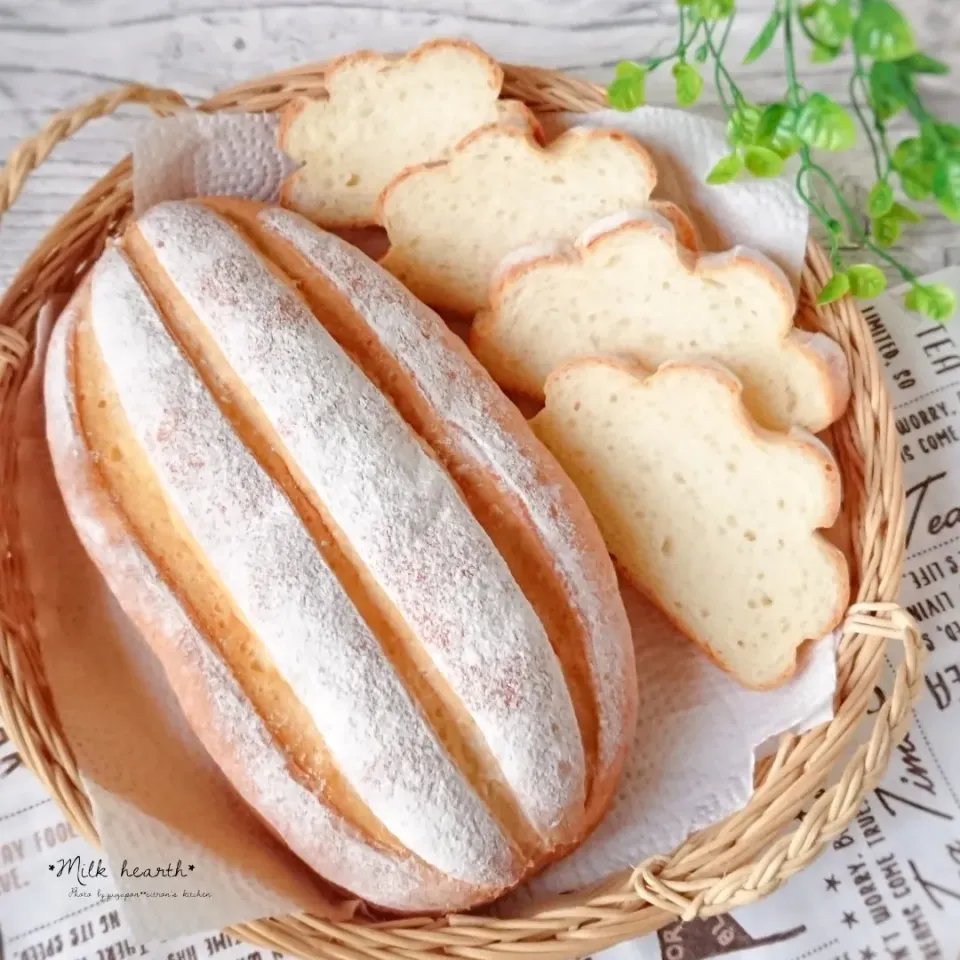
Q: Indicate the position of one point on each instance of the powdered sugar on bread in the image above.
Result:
(627, 287)
(487, 430)
(265, 558)
(408, 593)
(230, 727)
(395, 505)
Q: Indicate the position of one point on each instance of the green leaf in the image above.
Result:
(882, 32)
(880, 199)
(627, 90)
(915, 189)
(725, 169)
(866, 280)
(904, 214)
(824, 125)
(762, 161)
(889, 89)
(946, 185)
(630, 68)
(776, 129)
(935, 300)
(689, 83)
(715, 9)
(701, 53)
(770, 119)
(836, 287)
(830, 23)
(921, 63)
(907, 153)
(949, 133)
(931, 144)
(821, 53)
(765, 37)
(916, 172)
(742, 125)
(885, 230)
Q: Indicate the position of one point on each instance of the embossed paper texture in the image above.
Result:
(764, 215)
(691, 763)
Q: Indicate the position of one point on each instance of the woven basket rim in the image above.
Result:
(730, 864)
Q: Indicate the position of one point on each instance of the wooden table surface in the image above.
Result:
(56, 53)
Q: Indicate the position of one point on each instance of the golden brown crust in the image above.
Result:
(685, 229)
(516, 113)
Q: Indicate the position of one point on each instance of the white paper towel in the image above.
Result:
(766, 215)
(208, 154)
(692, 759)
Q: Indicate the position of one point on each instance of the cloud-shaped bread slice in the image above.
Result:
(709, 515)
(380, 115)
(451, 223)
(627, 287)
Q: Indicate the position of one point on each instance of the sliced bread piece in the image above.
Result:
(627, 287)
(708, 514)
(451, 223)
(380, 115)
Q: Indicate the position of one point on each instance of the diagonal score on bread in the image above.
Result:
(711, 516)
(451, 223)
(627, 287)
(382, 114)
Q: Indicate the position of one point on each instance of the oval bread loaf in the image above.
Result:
(382, 605)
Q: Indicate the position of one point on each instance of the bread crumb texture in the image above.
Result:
(382, 114)
(450, 224)
(711, 517)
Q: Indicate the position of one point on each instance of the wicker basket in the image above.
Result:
(733, 863)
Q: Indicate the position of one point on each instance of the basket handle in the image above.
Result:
(30, 153)
(829, 814)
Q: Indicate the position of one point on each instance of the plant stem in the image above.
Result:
(720, 70)
(852, 220)
(858, 76)
(793, 87)
(684, 43)
(808, 167)
(727, 27)
(807, 33)
(824, 217)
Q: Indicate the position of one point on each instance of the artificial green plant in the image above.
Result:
(805, 123)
